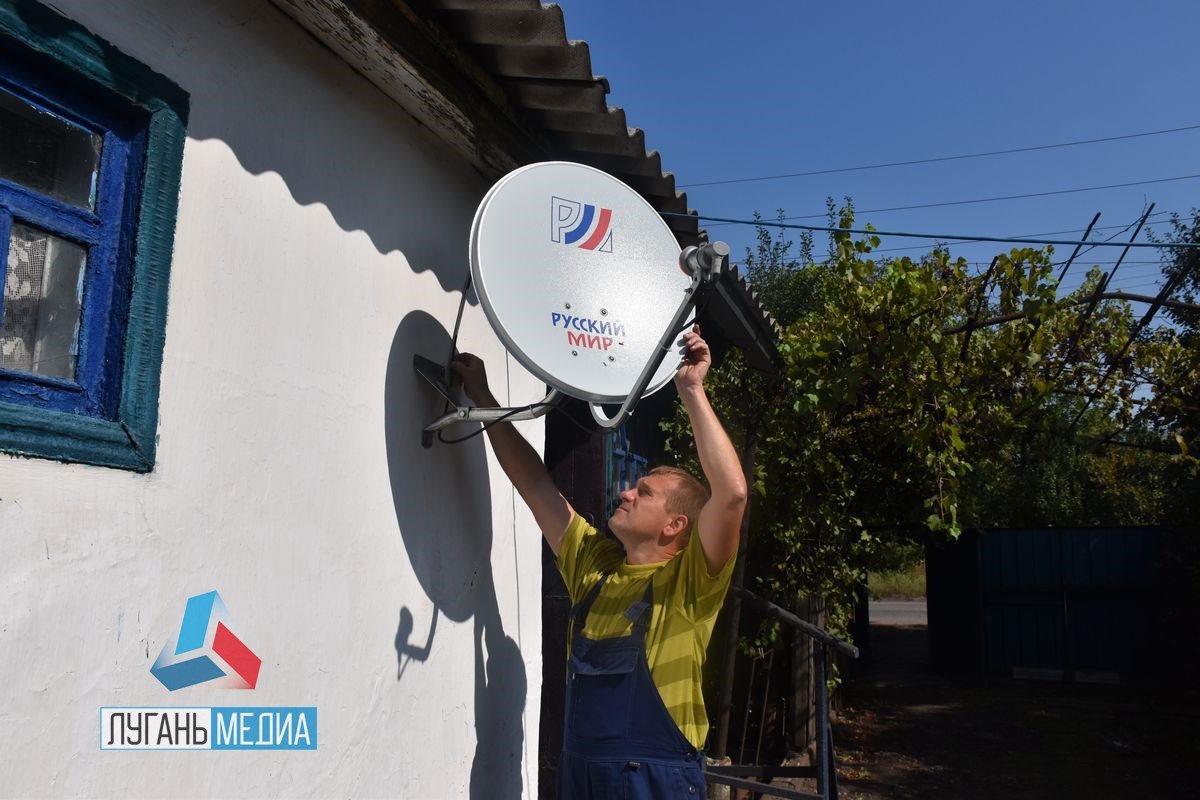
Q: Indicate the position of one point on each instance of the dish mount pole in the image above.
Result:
(704, 264)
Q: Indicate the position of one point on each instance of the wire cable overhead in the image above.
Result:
(999, 198)
(1041, 233)
(937, 159)
(945, 236)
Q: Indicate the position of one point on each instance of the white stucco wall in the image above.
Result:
(322, 239)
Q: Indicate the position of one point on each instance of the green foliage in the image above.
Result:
(1178, 411)
(792, 283)
(918, 398)
(895, 553)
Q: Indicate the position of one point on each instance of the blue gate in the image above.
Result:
(1072, 603)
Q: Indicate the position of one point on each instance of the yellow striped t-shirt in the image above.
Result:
(686, 602)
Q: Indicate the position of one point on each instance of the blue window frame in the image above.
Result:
(89, 184)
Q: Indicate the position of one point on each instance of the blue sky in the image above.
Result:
(727, 91)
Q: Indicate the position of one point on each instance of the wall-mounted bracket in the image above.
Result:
(436, 375)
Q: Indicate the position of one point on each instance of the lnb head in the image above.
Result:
(708, 259)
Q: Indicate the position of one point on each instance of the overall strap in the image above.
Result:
(639, 612)
(580, 611)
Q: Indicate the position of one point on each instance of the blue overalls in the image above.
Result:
(620, 741)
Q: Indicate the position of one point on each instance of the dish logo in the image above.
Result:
(571, 222)
(205, 649)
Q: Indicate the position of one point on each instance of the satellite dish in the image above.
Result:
(578, 275)
(584, 284)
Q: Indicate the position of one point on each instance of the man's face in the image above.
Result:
(643, 513)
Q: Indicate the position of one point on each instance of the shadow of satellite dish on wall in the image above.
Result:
(442, 497)
(444, 511)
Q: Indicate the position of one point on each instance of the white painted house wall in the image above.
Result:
(321, 241)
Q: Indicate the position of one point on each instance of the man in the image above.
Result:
(644, 609)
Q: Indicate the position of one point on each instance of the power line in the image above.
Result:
(1136, 287)
(1141, 279)
(936, 159)
(995, 199)
(1082, 261)
(946, 236)
(1133, 282)
(1043, 233)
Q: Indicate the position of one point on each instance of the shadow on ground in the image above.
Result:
(908, 733)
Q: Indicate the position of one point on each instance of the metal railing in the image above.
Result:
(757, 777)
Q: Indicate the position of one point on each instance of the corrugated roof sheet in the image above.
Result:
(548, 78)
(505, 86)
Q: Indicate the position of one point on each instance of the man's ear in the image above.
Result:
(679, 525)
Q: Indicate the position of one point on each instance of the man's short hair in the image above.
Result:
(689, 495)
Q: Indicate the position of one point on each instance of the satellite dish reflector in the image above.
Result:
(579, 276)
(584, 284)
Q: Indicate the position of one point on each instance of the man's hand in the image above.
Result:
(697, 358)
(471, 373)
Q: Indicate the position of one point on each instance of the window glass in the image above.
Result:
(39, 312)
(46, 153)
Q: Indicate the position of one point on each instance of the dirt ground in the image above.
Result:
(907, 733)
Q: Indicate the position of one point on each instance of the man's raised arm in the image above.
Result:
(721, 518)
(517, 457)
